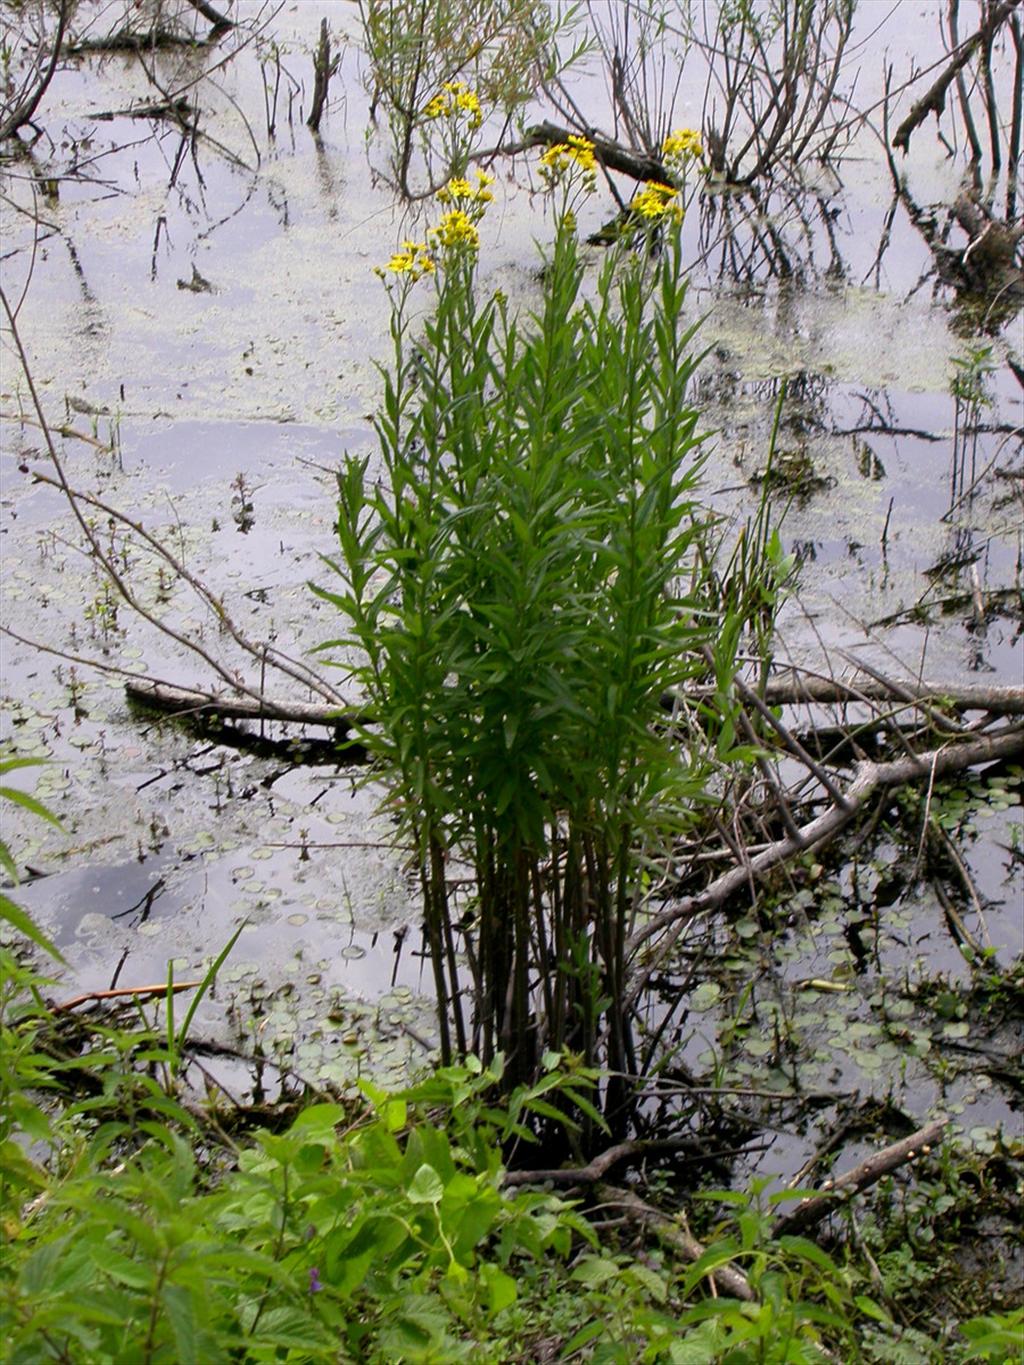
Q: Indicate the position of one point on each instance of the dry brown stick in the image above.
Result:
(790, 741)
(65, 432)
(906, 693)
(600, 1166)
(934, 100)
(674, 1233)
(120, 991)
(816, 1207)
(869, 776)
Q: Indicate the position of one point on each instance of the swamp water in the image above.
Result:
(207, 314)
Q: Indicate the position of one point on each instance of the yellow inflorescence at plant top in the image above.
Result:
(564, 158)
(657, 202)
(454, 100)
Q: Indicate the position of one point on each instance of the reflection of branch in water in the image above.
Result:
(143, 908)
(161, 229)
(757, 237)
(95, 323)
(985, 273)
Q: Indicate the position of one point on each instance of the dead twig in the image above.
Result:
(120, 992)
(934, 100)
(816, 1207)
(675, 1235)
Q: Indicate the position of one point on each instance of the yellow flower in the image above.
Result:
(460, 191)
(414, 259)
(455, 100)
(656, 202)
(683, 145)
(566, 158)
(456, 229)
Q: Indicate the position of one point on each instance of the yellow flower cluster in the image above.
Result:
(576, 154)
(414, 260)
(455, 100)
(459, 191)
(683, 145)
(657, 202)
(456, 229)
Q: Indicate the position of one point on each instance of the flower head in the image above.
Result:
(575, 155)
(414, 260)
(460, 192)
(456, 229)
(681, 146)
(455, 100)
(657, 202)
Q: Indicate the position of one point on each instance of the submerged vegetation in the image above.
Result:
(681, 886)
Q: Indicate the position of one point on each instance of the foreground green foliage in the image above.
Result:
(372, 1231)
(378, 1230)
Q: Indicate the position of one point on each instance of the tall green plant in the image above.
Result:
(522, 586)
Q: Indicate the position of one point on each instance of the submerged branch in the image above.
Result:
(952, 757)
(816, 1207)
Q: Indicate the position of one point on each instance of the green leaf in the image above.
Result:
(501, 1288)
(594, 1271)
(29, 803)
(426, 1187)
(21, 921)
(871, 1309)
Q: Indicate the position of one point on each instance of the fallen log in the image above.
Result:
(184, 701)
(793, 691)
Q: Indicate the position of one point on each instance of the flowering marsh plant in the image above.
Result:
(522, 583)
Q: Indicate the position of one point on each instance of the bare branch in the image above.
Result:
(934, 100)
(674, 1233)
(24, 111)
(1008, 744)
(816, 1207)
